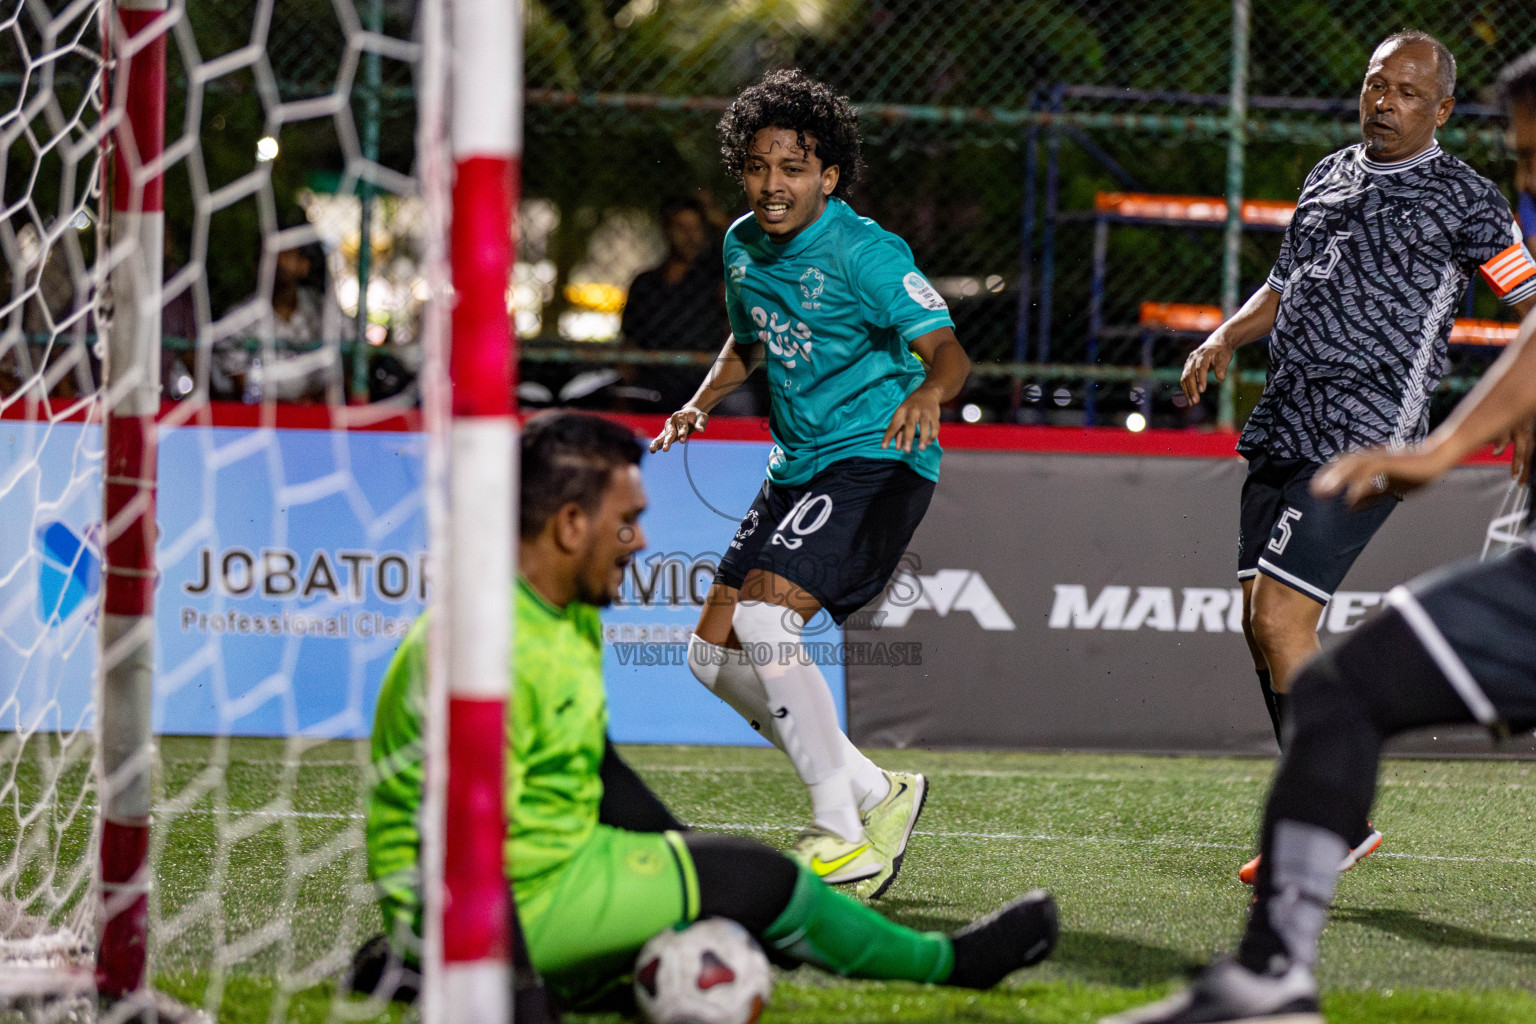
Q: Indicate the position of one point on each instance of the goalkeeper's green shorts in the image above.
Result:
(585, 923)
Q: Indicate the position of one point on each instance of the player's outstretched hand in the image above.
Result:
(916, 421)
(681, 425)
(1213, 356)
(1363, 477)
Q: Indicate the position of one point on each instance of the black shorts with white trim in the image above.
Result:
(840, 535)
(1305, 542)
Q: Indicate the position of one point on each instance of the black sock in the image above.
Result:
(745, 881)
(1260, 943)
(1274, 702)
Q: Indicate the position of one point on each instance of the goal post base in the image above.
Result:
(67, 995)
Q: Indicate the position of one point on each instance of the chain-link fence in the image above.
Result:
(990, 129)
(990, 126)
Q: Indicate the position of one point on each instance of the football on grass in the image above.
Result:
(711, 972)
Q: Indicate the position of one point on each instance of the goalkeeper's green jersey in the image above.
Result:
(558, 721)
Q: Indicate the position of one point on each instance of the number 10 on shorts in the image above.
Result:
(808, 515)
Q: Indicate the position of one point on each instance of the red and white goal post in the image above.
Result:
(486, 142)
(90, 928)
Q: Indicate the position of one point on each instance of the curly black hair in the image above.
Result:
(788, 98)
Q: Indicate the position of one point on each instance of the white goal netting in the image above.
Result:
(291, 504)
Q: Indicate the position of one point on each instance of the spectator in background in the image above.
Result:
(306, 327)
(678, 306)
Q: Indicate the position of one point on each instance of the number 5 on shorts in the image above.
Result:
(1282, 534)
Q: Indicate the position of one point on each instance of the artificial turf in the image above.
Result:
(261, 890)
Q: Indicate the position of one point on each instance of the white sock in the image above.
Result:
(868, 780)
(805, 716)
(729, 675)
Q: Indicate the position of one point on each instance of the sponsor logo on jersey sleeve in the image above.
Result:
(922, 292)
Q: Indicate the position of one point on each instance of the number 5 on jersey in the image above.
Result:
(808, 515)
(1334, 252)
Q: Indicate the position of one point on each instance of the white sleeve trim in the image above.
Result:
(1520, 294)
(911, 332)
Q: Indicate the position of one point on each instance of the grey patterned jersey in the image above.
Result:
(1371, 271)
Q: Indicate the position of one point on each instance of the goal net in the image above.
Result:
(223, 229)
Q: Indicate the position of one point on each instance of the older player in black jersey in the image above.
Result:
(1359, 308)
(1455, 646)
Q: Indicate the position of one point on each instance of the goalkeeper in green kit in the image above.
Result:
(596, 862)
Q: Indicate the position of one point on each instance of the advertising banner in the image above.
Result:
(50, 574)
(1091, 602)
(292, 562)
(1047, 600)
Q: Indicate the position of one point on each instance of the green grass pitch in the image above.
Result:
(1142, 853)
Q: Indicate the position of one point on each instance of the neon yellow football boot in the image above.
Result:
(889, 825)
(834, 859)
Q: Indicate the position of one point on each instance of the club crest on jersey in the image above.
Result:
(812, 283)
(922, 292)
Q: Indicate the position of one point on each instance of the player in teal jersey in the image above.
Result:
(596, 862)
(860, 353)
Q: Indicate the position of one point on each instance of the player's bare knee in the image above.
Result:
(1279, 625)
(1270, 627)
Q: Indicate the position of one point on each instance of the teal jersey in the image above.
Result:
(837, 308)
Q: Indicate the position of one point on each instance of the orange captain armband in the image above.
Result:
(1509, 270)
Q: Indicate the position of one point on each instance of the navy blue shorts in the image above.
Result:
(839, 535)
(1304, 542)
